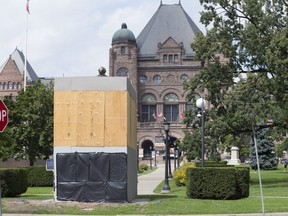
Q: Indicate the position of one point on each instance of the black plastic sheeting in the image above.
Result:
(92, 177)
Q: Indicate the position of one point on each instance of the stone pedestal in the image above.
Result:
(234, 156)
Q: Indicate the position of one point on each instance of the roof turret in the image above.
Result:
(123, 35)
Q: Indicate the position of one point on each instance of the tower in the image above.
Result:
(123, 55)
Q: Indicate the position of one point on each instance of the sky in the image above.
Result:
(73, 37)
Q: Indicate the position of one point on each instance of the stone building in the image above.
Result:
(157, 63)
(12, 74)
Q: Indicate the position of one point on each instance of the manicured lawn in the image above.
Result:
(275, 187)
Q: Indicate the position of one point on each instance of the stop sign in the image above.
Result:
(3, 116)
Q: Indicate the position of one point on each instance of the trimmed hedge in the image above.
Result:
(13, 182)
(179, 175)
(214, 164)
(217, 183)
(38, 176)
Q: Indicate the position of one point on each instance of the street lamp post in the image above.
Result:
(200, 103)
(166, 187)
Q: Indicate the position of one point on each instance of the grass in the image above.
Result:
(275, 185)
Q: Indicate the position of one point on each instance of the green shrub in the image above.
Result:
(179, 174)
(13, 182)
(38, 176)
(143, 167)
(214, 164)
(217, 183)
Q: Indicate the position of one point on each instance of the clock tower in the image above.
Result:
(123, 55)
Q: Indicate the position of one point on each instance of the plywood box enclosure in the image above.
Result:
(94, 111)
(97, 114)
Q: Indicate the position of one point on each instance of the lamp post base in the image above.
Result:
(165, 191)
(166, 188)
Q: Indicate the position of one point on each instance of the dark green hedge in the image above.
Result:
(13, 182)
(214, 164)
(39, 177)
(217, 183)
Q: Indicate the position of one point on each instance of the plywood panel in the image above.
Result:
(94, 119)
(90, 118)
(132, 123)
(116, 118)
(116, 105)
(65, 120)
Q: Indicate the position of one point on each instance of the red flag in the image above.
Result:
(27, 7)
(160, 115)
(181, 116)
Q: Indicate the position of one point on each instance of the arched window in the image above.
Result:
(157, 79)
(171, 107)
(148, 108)
(10, 85)
(123, 72)
(4, 85)
(19, 85)
(142, 79)
(184, 78)
(14, 85)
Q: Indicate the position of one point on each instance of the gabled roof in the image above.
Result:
(169, 20)
(18, 57)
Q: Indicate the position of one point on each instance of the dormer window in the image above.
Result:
(176, 58)
(165, 58)
(171, 58)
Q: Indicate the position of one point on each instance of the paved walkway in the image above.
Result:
(147, 183)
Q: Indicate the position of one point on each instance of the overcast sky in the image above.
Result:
(73, 37)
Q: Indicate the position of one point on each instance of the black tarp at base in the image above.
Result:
(91, 177)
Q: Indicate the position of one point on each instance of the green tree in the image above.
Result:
(32, 122)
(245, 65)
(266, 151)
(7, 141)
(191, 145)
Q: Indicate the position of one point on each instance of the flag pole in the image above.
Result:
(26, 39)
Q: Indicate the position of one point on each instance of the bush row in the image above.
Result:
(217, 183)
(16, 181)
(39, 177)
(13, 182)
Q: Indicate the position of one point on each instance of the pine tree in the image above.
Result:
(266, 151)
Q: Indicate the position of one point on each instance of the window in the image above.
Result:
(170, 58)
(142, 79)
(149, 98)
(148, 108)
(19, 86)
(14, 85)
(123, 72)
(176, 58)
(157, 79)
(10, 86)
(4, 85)
(171, 107)
(165, 58)
(184, 78)
(122, 50)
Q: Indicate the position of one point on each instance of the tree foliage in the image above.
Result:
(266, 151)
(31, 122)
(245, 65)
